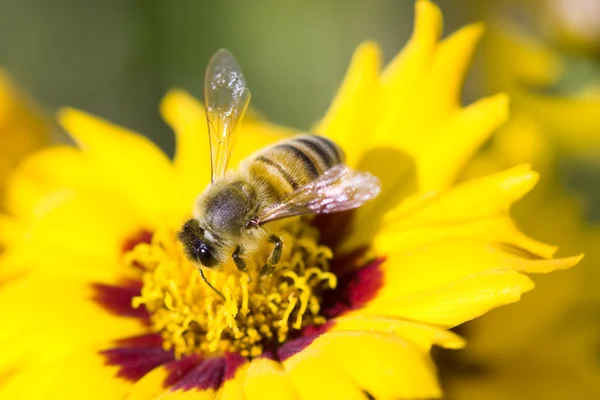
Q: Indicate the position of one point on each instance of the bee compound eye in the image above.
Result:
(206, 258)
(203, 253)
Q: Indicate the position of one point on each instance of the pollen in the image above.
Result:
(256, 313)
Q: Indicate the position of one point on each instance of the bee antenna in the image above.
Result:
(209, 284)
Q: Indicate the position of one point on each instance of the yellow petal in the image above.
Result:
(423, 335)
(402, 75)
(452, 59)
(482, 197)
(397, 184)
(82, 374)
(428, 23)
(53, 189)
(500, 229)
(149, 386)
(384, 366)
(47, 171)
(401, 110)
(477, 208)
(440, 264)
(152, 385)
(33, 310)
(233, 387)
(18, 385)
(457, 302)
(22, 128)
(80, 232)
(348, 115)
(193, 394)
(457, 140)
(317, 377)
(266, 379)
(18, 262)
(187, 118)
(136, 167)
(545, 266)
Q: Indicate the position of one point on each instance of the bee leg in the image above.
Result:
(210, 285)
(239, 262)
(274, 257)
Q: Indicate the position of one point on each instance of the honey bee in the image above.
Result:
(302, 175)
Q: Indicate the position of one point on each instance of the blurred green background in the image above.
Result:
(117, 58)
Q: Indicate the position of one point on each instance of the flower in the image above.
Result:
(553, 353)
(22, 130)
(545, 347)
(98, 300)
(556, 88)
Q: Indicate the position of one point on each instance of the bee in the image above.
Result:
(302, 175)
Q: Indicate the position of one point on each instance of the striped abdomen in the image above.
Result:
(291, 163)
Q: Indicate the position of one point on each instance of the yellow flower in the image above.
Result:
(98, 301)
(547, 346)
(538, 85)
(21, 129)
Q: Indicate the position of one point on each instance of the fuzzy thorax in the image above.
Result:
(257, 312)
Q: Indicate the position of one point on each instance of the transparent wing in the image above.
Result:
(338, 189)
(226, 98)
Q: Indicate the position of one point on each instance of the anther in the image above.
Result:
(246, 314)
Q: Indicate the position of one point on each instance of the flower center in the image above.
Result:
(257, 312)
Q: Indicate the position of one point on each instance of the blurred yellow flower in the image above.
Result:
(22, 130)
(547, 83)
(99, 302)
(547, 347)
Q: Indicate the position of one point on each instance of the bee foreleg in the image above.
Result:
(239, 262)
(274, 257)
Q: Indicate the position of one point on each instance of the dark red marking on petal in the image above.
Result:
(194, 372)
(317, 330)
(354, 290)
(295, 346)
(143, 236)
(207, 374)
(291, 347)
(117, 298)
(136, 356)
(365, 283)
(149, 340)
(233, 361)
(348, 263)
(334, 227)
(180, 368)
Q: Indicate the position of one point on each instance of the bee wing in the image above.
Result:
(338, 189)
(226, 98)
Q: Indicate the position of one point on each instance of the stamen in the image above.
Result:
(226, 310)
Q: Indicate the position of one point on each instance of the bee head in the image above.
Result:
(198, 244)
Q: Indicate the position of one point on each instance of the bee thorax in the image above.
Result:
(227, 210)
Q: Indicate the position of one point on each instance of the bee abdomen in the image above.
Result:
(294, 162)
(324, 150)
(278, 169)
